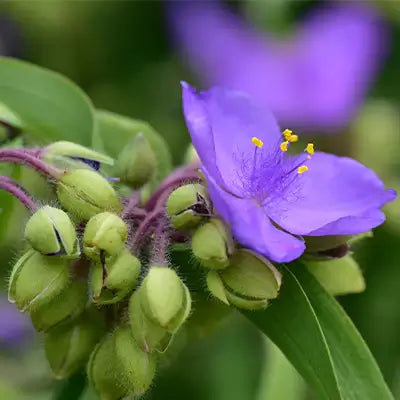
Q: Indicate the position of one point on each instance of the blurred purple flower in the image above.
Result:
(314, 80)
(269, 198)
(15, 327)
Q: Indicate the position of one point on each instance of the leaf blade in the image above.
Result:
(50, 105)
(320, 340)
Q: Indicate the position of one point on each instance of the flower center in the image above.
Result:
(274, 174)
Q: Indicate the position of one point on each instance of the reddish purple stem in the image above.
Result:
(177, 178)
(24, 157)
(17, 191)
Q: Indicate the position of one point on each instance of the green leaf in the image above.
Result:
(50, 106)
(114, 132)
(319, 339)
(279, 380)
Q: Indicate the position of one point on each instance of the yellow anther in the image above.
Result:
(284, 146)
(302, 169)
(257, 142)
(287, 133)
(293, 138)
(310, 149)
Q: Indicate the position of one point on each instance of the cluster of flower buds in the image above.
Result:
(236, 276)
(95, 275)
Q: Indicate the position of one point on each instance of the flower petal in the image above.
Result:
(352, 225)
(198, 124)
(337, 195)
(222, 124)
(252, 228)
(314, 80)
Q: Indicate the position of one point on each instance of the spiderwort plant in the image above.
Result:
(106, 273)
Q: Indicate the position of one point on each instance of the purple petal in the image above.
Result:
(14, 326)
(352, 225)
(222, 124)
(252, 228)
(316, 79)
(337, 195)
(198, 124)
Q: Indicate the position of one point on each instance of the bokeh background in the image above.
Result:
(329, 70)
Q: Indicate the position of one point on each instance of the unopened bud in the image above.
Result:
(187, 206)
(137, 162)
(115, 279)
(68, 347)
(119, 368)
(86, 193)
(158, 309)
(137, 366)
(165, 298)
(69, 304)
(105, 235)
(51, 232)
(211, 244)
(249, 281)
(69, 155)
(147, 334)
(102, 370)
(37, 279)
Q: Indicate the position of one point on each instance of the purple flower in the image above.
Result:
(269, 198)
(14, 326)
(314, 80)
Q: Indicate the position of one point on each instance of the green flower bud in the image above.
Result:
(137, 366)
(158, 309)
(51, 232)
(105, 235)
(187, 206)
(147, 334)
(338, 275)
(86, 193)
(68, 155)
(69, 304)
(137, 162)
(119, 368)
(115, 279)
(37, 279)
(211, 244)
(165, 299)
(249, 281)
(68, 347)
(102, 370)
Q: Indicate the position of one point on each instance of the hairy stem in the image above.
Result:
(177, 178)
(17, 191)
(160, 244)
(24, 157)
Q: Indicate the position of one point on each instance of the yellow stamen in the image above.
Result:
(310, 149)
(257, 142)
(284, 146)
(293, 138)
(302, 169)
(287, 133)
